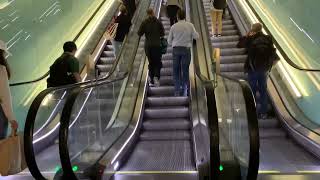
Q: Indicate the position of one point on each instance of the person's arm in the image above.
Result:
(74, 68)
(141, 30)
(195, 34)
(161, 29)
(170, 37)
(6, 101)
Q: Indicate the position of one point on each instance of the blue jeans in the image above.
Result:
(258, 83)
(116, 47)
(181, 63)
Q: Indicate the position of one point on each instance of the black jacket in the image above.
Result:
(153, 29)
(123, 27)
(219, 4)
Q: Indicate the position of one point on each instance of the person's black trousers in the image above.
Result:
(172, 11)
(154, 57)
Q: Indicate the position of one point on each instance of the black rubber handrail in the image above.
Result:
(76, 38)
(33, 110)
(283, 53)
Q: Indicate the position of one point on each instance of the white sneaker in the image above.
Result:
(156, 82)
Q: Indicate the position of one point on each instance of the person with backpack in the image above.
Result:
(65, 70)
(172, 9)
(261, 57)
(218, 7)
(6, 112)
(153, 30)
(124, 23)
(180, 37)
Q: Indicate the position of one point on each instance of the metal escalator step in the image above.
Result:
(167, 101)
(233, 51)
(224, 22)
(271, 133)
(234, 67)
(166, 81)
(167, 63)
(230, 32)
(166, 72)
(167, 124)
(165, 135)
(161, 156)
(238, 75)
(109, 47)
(233, 59)
(225, 44)
(108, 53)
(169, 112)
(231, 38)
(161, 91)
(229, 27)
(268, 123)
(107, 60)
(104, 67)
(167, 57)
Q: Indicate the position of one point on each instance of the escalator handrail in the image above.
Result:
(75, 39)
(34, 107)
(283, 53)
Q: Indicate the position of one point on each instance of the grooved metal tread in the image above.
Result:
(161, 156)
(167, 101)
(167, 124)
(165, 135)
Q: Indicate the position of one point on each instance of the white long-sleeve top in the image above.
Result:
(182, 34)
(5, 95)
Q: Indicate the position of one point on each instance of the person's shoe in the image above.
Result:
(219, 35)
(156, 82)
(215, 35)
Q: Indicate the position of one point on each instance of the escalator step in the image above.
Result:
(162, 113)
(165, 135)
(271, 133)
(166, 124)
(161, 91)
(167, 101)
(268, 123)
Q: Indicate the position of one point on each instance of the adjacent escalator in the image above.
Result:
(279, 152)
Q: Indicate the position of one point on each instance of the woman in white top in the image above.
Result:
(6, 113)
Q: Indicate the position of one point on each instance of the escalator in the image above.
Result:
(286, 151)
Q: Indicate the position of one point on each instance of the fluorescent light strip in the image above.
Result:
(291, 83)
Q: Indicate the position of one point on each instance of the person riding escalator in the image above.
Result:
(65, 70)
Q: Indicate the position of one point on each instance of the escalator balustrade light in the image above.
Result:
(75, 168)
(57, 168)
(221, 168)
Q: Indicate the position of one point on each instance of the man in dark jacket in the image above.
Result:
(261, 57)
(124, 24)
(153, 30)
(131, 6)
(216, 16)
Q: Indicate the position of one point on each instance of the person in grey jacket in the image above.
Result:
(216, 16)
(172, 8)
(153, 30)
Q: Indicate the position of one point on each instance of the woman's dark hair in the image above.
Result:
(181, 14)
(4, 62)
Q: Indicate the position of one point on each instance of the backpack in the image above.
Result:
(60, 73)
(261, 53)
(163, 45)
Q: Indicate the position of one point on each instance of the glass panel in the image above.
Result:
(233, 128)
(46, 131)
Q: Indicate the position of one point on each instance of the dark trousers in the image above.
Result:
(258, 83)
(3, 124)
(154, 57)
(181, 63)
(172, 11)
